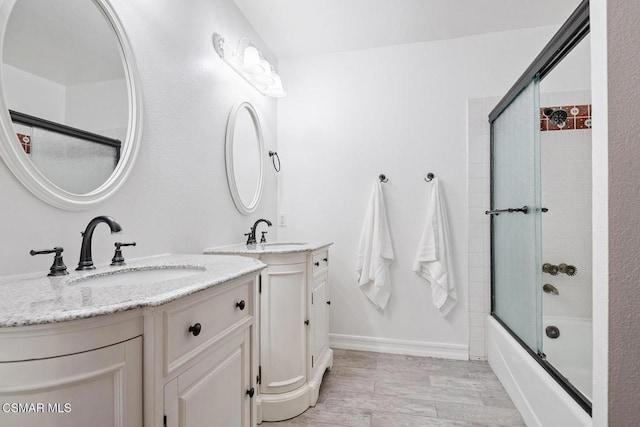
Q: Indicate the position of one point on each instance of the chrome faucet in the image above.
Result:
(251, 239)
(86, 261)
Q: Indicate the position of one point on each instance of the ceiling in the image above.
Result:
(307, 27)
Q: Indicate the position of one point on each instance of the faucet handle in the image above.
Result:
(118, 259)
(263, 239)
(57, 268)
(251, 239)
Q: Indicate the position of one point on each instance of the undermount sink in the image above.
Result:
(138, 275)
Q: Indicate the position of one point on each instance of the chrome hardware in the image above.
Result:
(523, 209)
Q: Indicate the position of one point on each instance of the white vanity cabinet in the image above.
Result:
(78, 373)
(205, 370)
(294, 332)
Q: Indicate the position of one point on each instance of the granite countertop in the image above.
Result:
(268, 248)
(36, 298)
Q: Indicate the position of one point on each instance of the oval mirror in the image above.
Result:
(244, 157)
(70, 110)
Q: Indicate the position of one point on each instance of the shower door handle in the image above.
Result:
(523, 209)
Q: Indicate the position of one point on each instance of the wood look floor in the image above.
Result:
(386, 390)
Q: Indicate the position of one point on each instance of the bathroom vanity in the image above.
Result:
(293, 339)
(162, 341)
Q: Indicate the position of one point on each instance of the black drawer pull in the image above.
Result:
(317, 263)
(195, 329)
(241, 304)
(251, 392)
(328, 302)
(325, 259)
(306, 322)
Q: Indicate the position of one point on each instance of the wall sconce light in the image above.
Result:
(247, 61)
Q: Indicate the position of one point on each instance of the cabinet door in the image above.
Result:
(320, 319)
(95, 388)
(282, 328)
(213, 392)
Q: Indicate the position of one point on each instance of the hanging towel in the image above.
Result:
(433, 255)
(375, 252)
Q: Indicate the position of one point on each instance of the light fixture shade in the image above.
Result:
(249, 63)
(276, 90)
(252, 63)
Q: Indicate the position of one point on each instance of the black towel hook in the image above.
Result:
(429, 177)
(383, 178)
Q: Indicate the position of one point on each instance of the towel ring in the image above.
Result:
(275, 156)
(429, 177)
(383, 178)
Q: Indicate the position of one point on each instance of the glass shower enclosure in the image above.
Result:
(538, 206)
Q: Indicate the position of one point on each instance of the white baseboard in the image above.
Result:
(409, 348)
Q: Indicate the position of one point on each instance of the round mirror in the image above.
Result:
(244, 157)
(70, 110)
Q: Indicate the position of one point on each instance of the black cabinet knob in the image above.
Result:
(251, 392)
(306, 322)
(328, 302)
(325, 259)
(195, 329)
(241, 304)
(317, 263)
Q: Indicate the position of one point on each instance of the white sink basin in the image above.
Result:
(138, 276)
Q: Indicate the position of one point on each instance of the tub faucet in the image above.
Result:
(86, 261)
(251, 239)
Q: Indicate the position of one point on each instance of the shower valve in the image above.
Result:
(550, 269)
(569, 270)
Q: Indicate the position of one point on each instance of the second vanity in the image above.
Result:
(161, 341)
(293, 339)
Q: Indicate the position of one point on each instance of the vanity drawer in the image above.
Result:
(192, 326)
(320, 262)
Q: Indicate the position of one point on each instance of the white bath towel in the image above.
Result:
(433, 256)
(375, 252)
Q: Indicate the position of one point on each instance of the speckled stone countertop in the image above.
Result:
(35, 298)
(268, 248)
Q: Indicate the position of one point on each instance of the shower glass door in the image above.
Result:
(516, 234)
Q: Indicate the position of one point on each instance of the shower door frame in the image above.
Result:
(568, 36)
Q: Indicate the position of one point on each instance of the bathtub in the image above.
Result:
(572, 352)
(539, 398)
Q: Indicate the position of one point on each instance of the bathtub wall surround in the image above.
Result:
(249, 63)
(176, 198)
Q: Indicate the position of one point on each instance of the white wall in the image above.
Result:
(176, 199)
(401, 111)
(621, 94)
